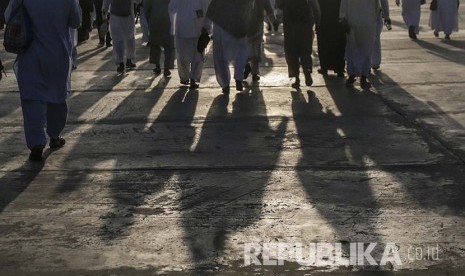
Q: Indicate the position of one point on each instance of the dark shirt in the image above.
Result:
(232, 15)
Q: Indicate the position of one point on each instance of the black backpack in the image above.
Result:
(18, 34)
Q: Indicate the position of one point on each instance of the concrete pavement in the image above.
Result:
(157, 179)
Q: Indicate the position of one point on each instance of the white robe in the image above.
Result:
(445, 18)
(188, 18)
(122, 30)
(411, 12)
(362, 16)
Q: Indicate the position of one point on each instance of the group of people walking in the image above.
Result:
(348, 35)
(443, 16)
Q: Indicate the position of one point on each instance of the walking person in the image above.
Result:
(383, 19)
(444, 17)
(231, 21)
(189, 23)
(122, 29)
(86, 26)
(299, 17)
(43, 71)
(361, 17)
(157, 13)
(411, 12)
(255, 36)
(331, 39)
(104, 39)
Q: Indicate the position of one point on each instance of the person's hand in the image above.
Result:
(397, 2)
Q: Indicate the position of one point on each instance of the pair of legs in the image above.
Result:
(255, 53)
(376, 55)
(168, 51)
(38, 115)
(99, 21)
(226, 49)
(124, 41)
(298, 41)
(190, 61)
(359, 51)
(411, 12)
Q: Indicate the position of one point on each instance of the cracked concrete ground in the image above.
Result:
(156, 179)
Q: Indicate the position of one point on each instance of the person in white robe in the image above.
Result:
(43, 71)
(122, 29)
(362, 17)
(411, 13)
(189, 20)
(231, 22)
(383, 19)
(445, 17)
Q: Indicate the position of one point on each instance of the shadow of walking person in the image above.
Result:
(173, 128)
(242, 149)
(342, 197)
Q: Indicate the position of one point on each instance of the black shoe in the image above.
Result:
(225, 90)
(247, 71)
(296, 84)
(157, 70)
(193, 85)
(364, 83)
(411, 32)
(447, 37)
(308, 79)
(167, 72)
(120, 68)
(100, 44)
(57, 143)
(186, 82)
(255, 77)
(239, 85)
(436, 34)
(350, 81)
(340, 74)
(322, 71)
(36, 153)
(108, 44)
(2, 70)
(130, 65)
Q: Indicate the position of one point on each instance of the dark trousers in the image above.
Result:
(99, 20)
(298, 40)
(38, 115)
(169, 51)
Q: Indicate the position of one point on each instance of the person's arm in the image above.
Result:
(75, 15)
(385, 8)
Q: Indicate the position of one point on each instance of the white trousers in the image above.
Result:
(226, 49)
(189, 60)
(122, 31)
